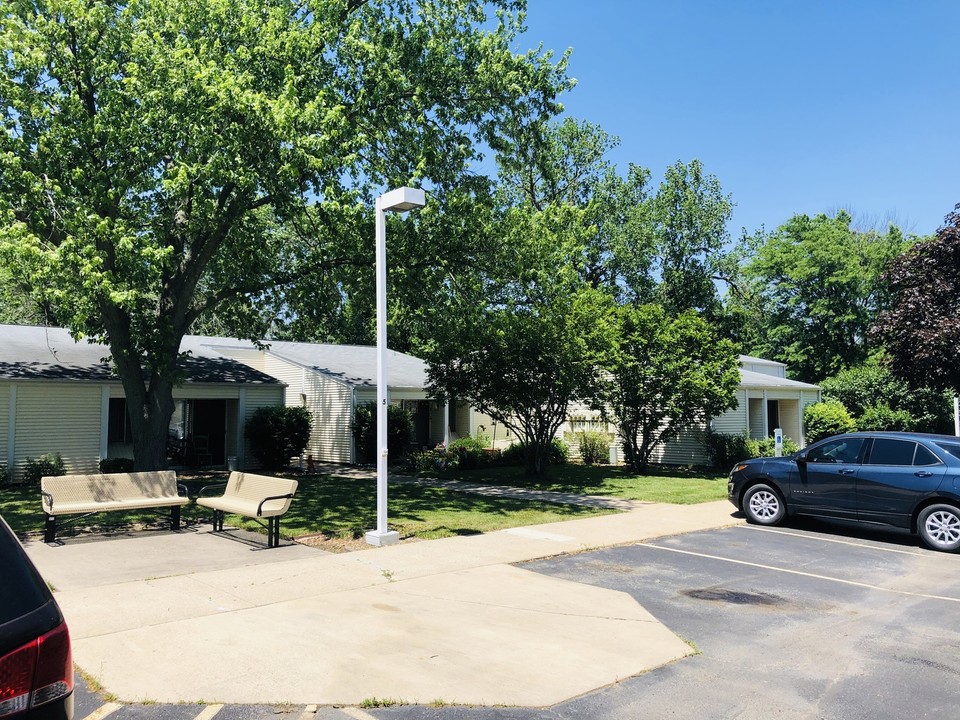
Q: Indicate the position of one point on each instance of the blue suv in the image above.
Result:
(903, 480)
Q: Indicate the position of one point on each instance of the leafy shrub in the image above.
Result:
(882, 417)
(116, 465)
(724, 449)
(278, 433)
(767, 447)
(364, 428)
(516, 454)
(512, 455)
(471, 452)
(826, 418)
(594, 447)
(45, 465)
(559, 452)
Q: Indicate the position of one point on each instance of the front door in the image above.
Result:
(210, 428)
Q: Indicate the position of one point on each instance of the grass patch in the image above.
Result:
(667, 485)
(327, 504)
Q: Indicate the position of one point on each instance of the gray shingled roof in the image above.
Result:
(28, 352)
(353, 365)
(751, 379)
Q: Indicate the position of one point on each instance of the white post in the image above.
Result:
(399, 200)
(956, 415)
(446, 423)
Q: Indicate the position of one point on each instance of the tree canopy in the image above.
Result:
(165, 159)
(812, 291)
(921, 328)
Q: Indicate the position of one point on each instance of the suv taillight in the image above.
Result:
(36, 673)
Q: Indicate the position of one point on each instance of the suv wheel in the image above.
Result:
(939, 527)
(763, 505)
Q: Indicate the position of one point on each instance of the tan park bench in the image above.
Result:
(88, 494)
(253, 496)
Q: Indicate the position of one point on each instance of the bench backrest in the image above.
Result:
(102, 487)
(257, 487)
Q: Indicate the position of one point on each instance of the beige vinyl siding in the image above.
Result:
(4, 422)
(733, 421)
(331, 403)
(686, 449)
(285, 372)
(58, 417)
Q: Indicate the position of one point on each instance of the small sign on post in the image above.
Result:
(778, 442)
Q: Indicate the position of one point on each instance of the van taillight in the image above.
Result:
(36, 673)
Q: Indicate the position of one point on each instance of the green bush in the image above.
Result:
(364, 428)
(49, 464)
(116, 465)
(471, 452)
(559, 452)
(882, 417)
(724, 449)
(767, 447)
(278, 433)
(594, 447)
(826, 418)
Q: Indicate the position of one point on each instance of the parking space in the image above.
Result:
(806, 621)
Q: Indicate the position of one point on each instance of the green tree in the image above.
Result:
(663, 376)
(400, 431)
(520, 343)
(689, 216)
(156, 153)
(814, 290)
(921, 328)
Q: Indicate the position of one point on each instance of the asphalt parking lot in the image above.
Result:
(808, 621)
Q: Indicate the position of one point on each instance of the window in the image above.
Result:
(951, 448)
(844, 450)
(925, 457)
(886, 451)
(118, 424)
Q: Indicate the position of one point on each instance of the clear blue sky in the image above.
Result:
(804, 106)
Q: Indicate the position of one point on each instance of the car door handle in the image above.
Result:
(846, 471)
(923, 473)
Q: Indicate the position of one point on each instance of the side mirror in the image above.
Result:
(801, 456)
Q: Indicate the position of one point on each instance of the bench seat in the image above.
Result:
(253, 496)
(105, 492)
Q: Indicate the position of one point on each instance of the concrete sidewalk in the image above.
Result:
(192, 617)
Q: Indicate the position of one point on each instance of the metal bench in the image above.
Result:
(86, 495)
(253, 496)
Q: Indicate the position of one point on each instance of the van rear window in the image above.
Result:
(21, 589)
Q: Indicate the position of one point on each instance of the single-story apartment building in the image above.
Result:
(333, 380)
(61, 396)
(766, 400)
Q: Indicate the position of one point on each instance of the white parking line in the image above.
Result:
(803, 574)
(209, 712)
(915, 553)
(357, 713)
(104, 710)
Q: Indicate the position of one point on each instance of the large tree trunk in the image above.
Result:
(149, 424)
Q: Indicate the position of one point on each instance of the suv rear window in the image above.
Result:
(886, 451)
(21, 588)
(952, 448)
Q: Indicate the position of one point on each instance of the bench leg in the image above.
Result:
(273, 531)
(175, 517)
(50, 529)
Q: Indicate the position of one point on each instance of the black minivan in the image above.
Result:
(36, 663)
(903, 480)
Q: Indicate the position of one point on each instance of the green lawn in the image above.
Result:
(667, 485)
(346, 507)
(336, 506)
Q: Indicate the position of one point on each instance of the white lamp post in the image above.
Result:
(399, 200)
